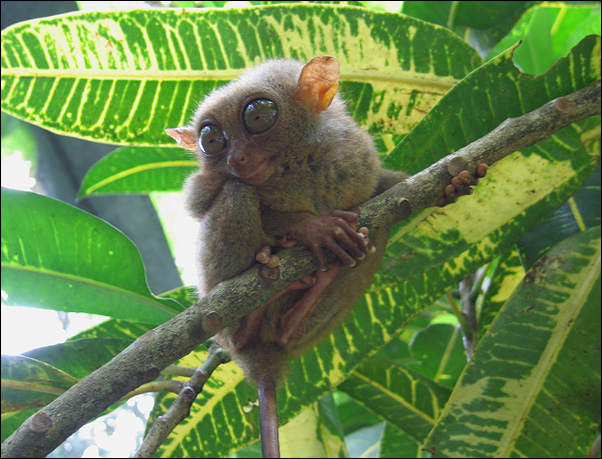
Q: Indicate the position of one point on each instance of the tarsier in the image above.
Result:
(282, 162)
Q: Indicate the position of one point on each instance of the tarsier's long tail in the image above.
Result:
(266, 364)
(268, 416)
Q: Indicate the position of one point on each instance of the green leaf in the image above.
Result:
(123, 77)
(440, 351)
(138, 170)
(404, 398)
(396, 444)
(124, 329)
(114, 328)
(34, 379)
(548, 33)
(29, 383)
(80, 357)
(581, 211)
(55, 256)
(533, 387)
(353, 416)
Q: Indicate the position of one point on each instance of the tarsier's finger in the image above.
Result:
(364, 232)
(349, 216)
(319, 257)
(342, 254)
(355, 243)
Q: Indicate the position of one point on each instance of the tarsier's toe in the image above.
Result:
(460, 185)
(264, 256)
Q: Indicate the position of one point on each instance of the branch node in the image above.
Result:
(563, 105)
(189, 393)
(41, 422)
(212, 323)
(456, 165)
(267, 274)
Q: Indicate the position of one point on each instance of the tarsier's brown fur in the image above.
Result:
(289, 183)
(320, 162)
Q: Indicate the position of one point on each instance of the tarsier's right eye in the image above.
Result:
(211, 140)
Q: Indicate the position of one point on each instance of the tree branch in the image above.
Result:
(142, 361)
(180, 408)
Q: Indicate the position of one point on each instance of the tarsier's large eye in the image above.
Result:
(211, 139)
(260, 115)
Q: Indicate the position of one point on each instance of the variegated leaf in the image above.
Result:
(123, 77)
(533, 388)
(404, 398)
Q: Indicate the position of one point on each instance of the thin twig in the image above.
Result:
(180, 408)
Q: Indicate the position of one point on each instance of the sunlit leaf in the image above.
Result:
(55, 256)
(124, 76)
(138, 170)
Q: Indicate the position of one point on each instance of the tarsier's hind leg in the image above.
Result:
(292, 320)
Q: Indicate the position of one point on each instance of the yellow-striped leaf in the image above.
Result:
(123, 77)
(533, 387)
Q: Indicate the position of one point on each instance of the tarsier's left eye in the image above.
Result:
(260, 115)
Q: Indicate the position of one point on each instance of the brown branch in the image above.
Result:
(180, 408)
(142, 361)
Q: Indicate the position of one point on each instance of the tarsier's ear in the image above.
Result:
(318, 83)
(185, 136)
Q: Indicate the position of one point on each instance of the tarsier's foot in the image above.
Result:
(266, 257)
(292, 320)
(460, 185)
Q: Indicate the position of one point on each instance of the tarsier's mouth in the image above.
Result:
(259, 174)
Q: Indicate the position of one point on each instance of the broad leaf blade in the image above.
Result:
(34, 379)
(138, 170)
(123, 77)
(80, 357)
(404, 398)
(490, 95)
(55, 256)
(28, 383)
(582, 211)
(540, 357)
(439, 352)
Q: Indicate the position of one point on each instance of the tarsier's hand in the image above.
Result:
(335, 231)
(460, 185)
